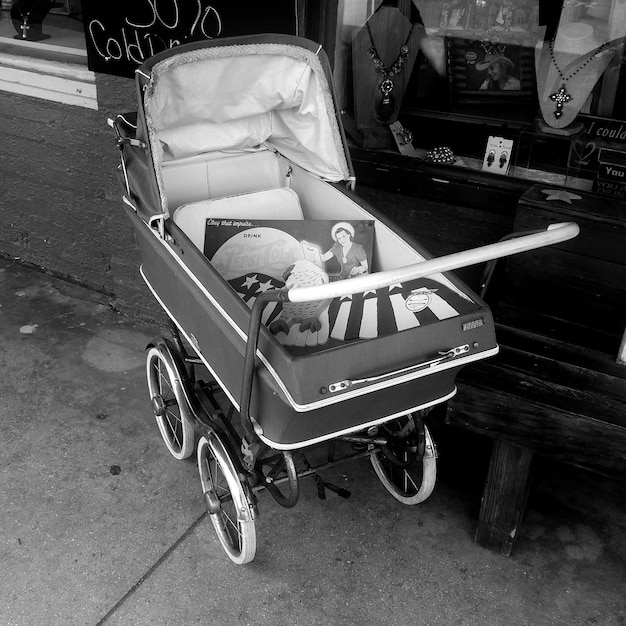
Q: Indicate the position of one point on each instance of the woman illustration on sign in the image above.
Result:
(349, 254)
(499, 69)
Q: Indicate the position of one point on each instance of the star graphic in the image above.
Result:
(250, 281)
(267, 286)
(560, 194)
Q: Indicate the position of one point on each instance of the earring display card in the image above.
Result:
(404, 140)
(497, 159)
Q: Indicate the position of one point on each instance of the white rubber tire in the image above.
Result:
(410, 485)
(233, 522)
(170, 406)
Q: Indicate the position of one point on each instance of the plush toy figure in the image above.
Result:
(301, 274)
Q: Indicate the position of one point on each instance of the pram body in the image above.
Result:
(249, 127)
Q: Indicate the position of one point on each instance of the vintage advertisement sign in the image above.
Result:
(120, 35)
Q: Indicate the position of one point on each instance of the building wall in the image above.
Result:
(59, 197)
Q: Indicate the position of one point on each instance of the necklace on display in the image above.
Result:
(25, 27)
(386, 105)
(561, 96)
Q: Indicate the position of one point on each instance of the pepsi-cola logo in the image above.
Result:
(417, 302)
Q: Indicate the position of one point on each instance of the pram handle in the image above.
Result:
(555, 233)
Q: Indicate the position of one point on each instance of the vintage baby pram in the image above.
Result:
(246, 129)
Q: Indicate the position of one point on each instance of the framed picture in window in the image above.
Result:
(489, 73)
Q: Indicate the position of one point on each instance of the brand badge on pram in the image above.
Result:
(477, 323)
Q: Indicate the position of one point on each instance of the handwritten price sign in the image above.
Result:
(120, 35)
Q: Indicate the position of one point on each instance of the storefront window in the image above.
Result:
(43, 26)
(533, 89)
(43, 53)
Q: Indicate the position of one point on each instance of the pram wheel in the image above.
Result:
(280, 463)
(407, 466)
(226, 500)
(170, 406)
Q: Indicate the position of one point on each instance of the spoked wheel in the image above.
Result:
(226, 501)
(170, 406)
(407, 465)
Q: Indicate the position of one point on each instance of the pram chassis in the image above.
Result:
(232, 472)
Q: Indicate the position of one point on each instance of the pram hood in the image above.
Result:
(242, 94)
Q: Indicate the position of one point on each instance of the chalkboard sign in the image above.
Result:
(120, 35)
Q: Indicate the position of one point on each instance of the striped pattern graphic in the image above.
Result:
(363, 315)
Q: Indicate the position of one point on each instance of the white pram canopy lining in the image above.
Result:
(242, 97)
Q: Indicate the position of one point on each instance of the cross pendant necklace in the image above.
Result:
(561, 96)
(25, 16)
(25, 27)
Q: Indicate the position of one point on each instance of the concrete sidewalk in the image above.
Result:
(100, 525)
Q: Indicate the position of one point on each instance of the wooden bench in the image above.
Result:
(557, 388)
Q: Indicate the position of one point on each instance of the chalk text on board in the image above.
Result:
(137, 40)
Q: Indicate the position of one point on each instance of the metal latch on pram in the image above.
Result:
(444, 355)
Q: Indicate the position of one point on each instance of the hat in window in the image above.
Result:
(492, 59)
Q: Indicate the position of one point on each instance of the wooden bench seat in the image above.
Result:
(556, 389)
(550, 400)
(533, 399)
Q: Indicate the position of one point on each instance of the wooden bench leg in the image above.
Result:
(504, 498)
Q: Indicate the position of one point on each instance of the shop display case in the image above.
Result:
(523, 91)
